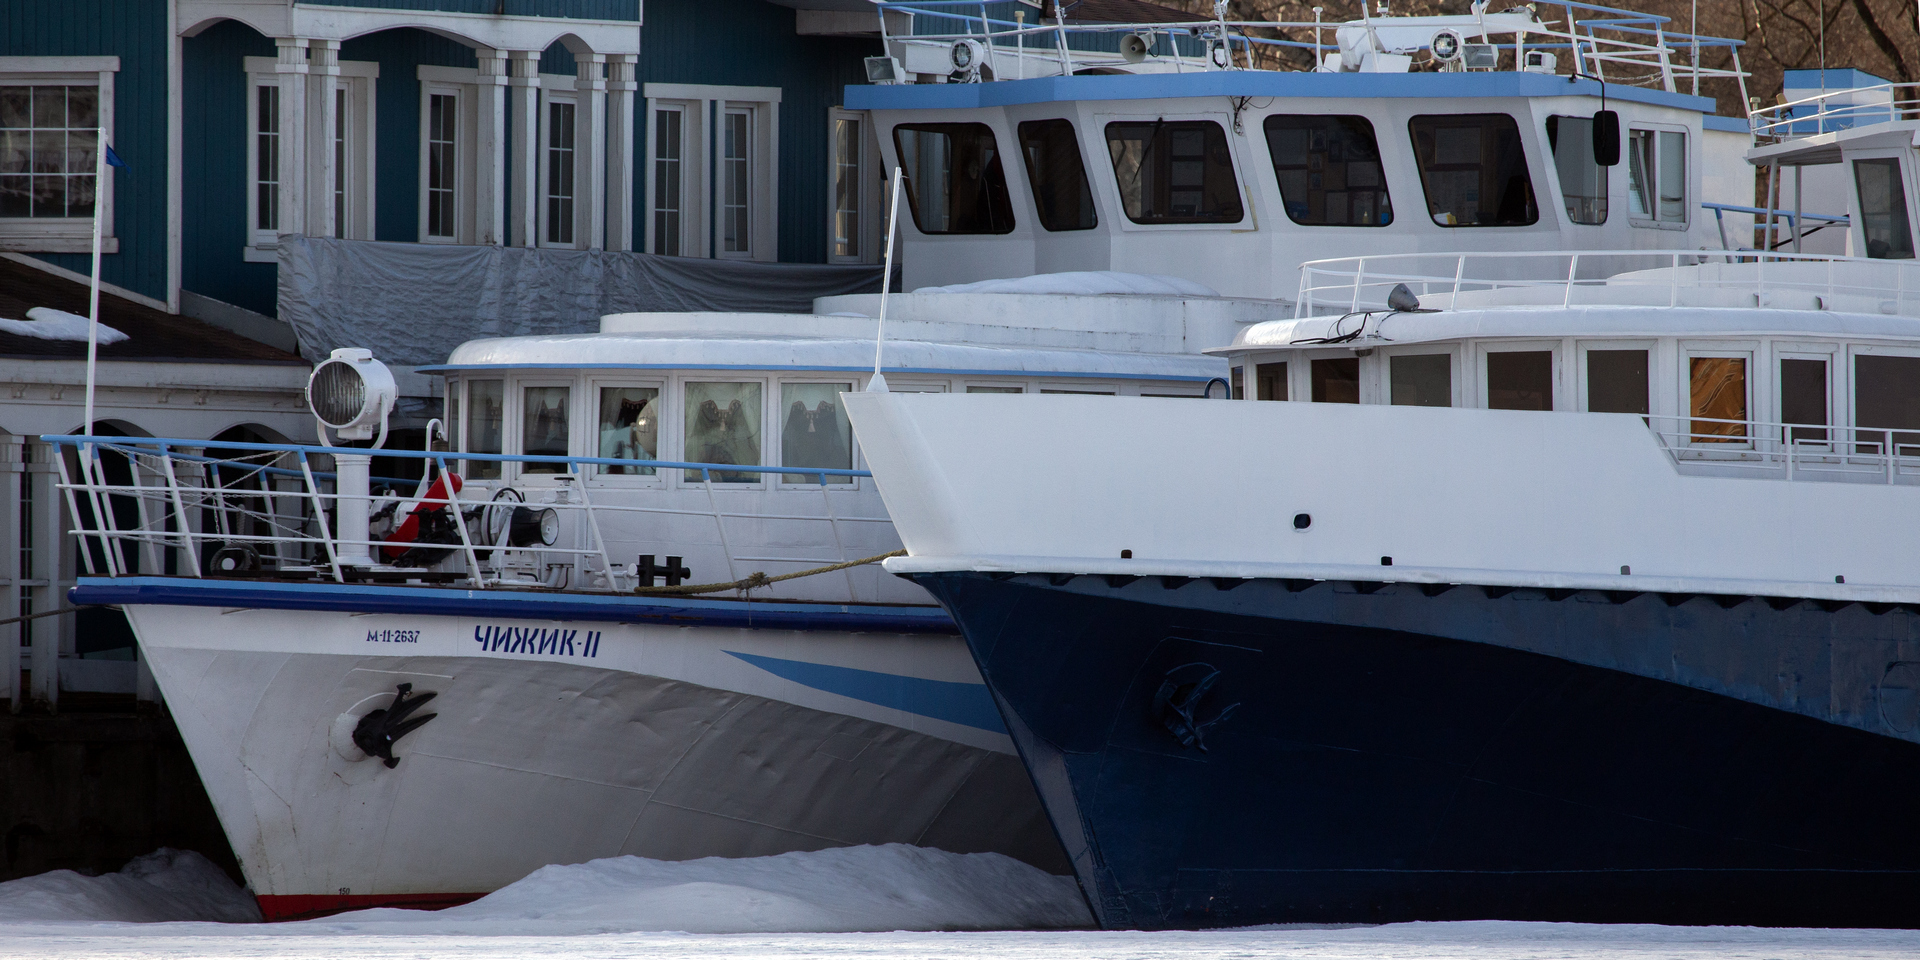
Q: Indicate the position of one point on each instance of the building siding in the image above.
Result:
(566, 9)
(396, 203)
(136, 32)
(213, 160)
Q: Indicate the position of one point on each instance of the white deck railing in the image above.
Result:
(1790, 451)
(1658, 278)
(172, 507)
(1835, 110)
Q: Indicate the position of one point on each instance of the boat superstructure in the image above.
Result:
(1589, 596)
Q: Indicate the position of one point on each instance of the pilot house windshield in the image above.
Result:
(1474, 170)
(1174, 172)
(955, 183)
(1329, 171)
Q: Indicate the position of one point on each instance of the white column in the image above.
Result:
(293, 70)
(590, 152)
(323, 78)
(12, 472)
(524, 193)
(490, 146)
(622, 141)
(50, 545)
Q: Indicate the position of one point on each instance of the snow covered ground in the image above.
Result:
(976, 906)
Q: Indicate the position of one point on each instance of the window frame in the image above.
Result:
(1550, 135)
(1426, 191)
(549, 98)
(682, 479)
(911, 195)
(778, 446)
(703, 105)
(1381, 387)
(867, 175)
(513, 441)
(692, 177)
(1760, 383)
(1110, 178)
(462, 85)
(1386, 188)
(1857, 210)
(1033, 186)
(1653, 220)
(66, 234)
(597, 476)
(1582, 381)
(1839, 369)
(724, 114)
(1482, 350)
(1851, 388)
(358, 81)
(463, 438)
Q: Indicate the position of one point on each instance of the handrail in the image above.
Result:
(1782, 121)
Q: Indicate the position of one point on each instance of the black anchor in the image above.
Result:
(1177, 703)
(378, 731)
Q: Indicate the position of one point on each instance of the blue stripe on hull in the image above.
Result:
(1373, 774)
(504, 604)
(967, 704)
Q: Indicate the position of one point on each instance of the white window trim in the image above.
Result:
(462, 84)
(1100, 174)
(596, 474)
(769, 406)
(1838, 366)
(1857, 232)
(554, 89)
(1582, 347)
(358, 78)
(513, 432)
(1381, 381)
(1687, 152)
(710, 102)
(65, 234)
(871, 200)
(777, 432)
(1760, 383)
(1563, 393)
(694, 175)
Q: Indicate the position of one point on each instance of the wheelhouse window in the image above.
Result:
(560, 171)
(1421, 380)
(1175, 172)
(816, 432)
(955, 184)
(1335, 380)
(1617, 381)
(1803, 399)
(668, 127)
(543, 426)
(629, 428)
(1270, 381)
(1520, 380)
(1329, 171)
(1886, 395)
(1474, 170)
(1717, 399)
(723, 426)
(1060, 189)
(1583, 183)
(1657, 175)
(1883, 208)
(486, 410)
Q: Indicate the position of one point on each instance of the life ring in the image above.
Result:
(402, 538)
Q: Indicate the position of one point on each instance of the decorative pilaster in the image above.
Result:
(293, 70)
(490, 150)
(523, 91)
(590, 151)
(323, 79)
(622, 141)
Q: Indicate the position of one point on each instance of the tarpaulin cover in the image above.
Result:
(412, 303)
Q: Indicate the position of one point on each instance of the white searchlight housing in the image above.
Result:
(353, 393)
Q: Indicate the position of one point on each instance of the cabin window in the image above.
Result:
(816, 432)
(1474, 170)
(1059, 179)
(1886, 394)
(1175, 172)
(1336, 380)
(1883, 208)
(1238, 386)
(1583, 183)
(1329, 171)
(955, 183)
(454, 425)
(723, 426)
(1803, 399)
(1617, 381)
(1657, 175)
(1520, 380)
(543, 426)
(629, 428)
(1421, 380)
(987, 389)
(486, 406)
(1271, 380)
(1717, 391)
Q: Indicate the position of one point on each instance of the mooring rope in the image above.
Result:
(760, 579)
(36, 616)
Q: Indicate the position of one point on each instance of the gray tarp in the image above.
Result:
(412, 303)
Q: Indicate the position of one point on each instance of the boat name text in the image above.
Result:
(540, 641)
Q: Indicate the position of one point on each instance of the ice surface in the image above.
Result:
(163, 885)
(46, 323)
(1085, 282)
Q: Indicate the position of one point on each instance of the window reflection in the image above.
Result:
(816, 433)
(1270, 381)
(1520, 380)
(1422, 380)
(543, 431)
(1474, 170)
(1657, 175)
(487, 400)
(1883, 209)
(1617, 381)
(1336, 380)
(723, 426)
(1174, 172)
(629, 427)
(954, 180)
(1329, 170)
(1718, 391)
(1059, 180)
(1583, 183)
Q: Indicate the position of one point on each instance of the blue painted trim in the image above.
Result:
(1041, 374)
(967, 704)
(1249, 83)
(1729, 124)
(507, 605)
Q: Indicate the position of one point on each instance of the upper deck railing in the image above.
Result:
(192, 507)
(1834, 110)
(1615, 44)
(1655, 278)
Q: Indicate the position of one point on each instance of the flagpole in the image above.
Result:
(93, 295)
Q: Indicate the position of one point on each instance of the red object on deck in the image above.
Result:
(306, 906)
(409, 529)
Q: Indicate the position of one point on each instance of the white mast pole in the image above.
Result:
(93, 295)
(879, 382)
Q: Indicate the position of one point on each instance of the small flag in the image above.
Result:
(113, 159)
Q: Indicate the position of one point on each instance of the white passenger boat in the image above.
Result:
(1586, 600)
(583, 703)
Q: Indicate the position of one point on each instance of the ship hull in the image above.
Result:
(1223, 753)
(560, 740)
